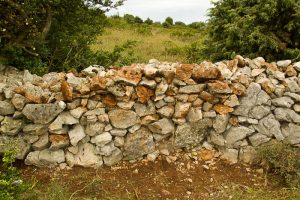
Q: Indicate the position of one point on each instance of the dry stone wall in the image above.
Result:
(102, 116)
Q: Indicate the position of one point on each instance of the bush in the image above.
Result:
(169, 20)
(284, 160)
(11, 185)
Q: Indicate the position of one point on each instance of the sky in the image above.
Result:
(186, 11)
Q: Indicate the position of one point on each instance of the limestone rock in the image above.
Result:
(10, 126)
(35, 129)
(42, 143)
(166, 111)
(258, 112)
(192, 134)
(285, 114)
(148, 83)
(18, 101)
(284, 63)
(67, 91)
(102, 139)
(220, 123)
(285, 102)
(235, 134)
(230, 155)
(58, 142)
(205, 71)
(258, 139)
(86, 157)
(19, 142)
(232, 101)
(129, 75)
(222, 109)
(181, 109)
(161, 88)
(164, 126)
(269, 126)
(114, 158)
(292, 133)
(144, 109)
(248, 155)
(184, 71)
(76, 134)
(194, 115)
(144, 94)
(138, 144)
(6, 108)
(62, 119)
(292, 84)
(192, 89)
(50, 159)
(219, 87)
(123, 118)
(42, 113)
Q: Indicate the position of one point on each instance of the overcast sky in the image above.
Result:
(180, 10)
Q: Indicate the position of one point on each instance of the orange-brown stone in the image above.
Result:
(206, 154)
(184, 71)
(144, 93)
(130, 75)
(67, 90)
(234, 121)
(268, 86)
(206, 71)
(219, 87)
(238, 89)
(207, 97)
(233, 64)
(58, 138)
(222, 109)
(110, 100)
(98, 83)
(290, 71)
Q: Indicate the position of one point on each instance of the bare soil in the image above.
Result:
(184, 178)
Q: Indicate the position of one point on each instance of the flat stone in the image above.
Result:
(144, 109)
(163, 126)
(284, 63)
(161, 88)
(86, 157)
(42, 113)
(232, 101)
(217, 139)
(269, 126)
(192, 134)
(129, 75)
(126, 105)
(296, 107)
(184, 71)
(105, 150)
(235, 134)
(123, 118)
(248, 155)
(76, 134)
(219, 87)
(114, 158)
(42, 143)
(205, 71)
(6, 108)
(294, 96)
(95, 128)
(62, 119)
(138, 144)
(258, 139)
(35, 129)
(222, 109)
(192, 89)
(166, 111)
(58, 142)
(78, 112)
(50, 159)
(93, 70)
(292, 133)
(258, 112)
(102, 139)
(285, 114)
(148, 83)
(285, 102)
(10, 126)
(144, 94)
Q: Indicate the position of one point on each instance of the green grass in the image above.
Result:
(151, 41)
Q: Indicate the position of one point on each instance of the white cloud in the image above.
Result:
(180, 10)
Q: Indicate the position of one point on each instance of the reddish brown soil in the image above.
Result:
(183, 179)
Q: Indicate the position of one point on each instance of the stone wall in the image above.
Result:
(102, 116)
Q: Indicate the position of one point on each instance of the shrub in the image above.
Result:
(11, 185)
(284, 160)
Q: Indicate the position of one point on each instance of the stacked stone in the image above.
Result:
(102, 116)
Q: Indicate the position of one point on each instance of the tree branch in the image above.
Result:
(30, 52)
(48, 21)
(17, 7)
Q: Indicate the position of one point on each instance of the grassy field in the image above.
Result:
(150, 41)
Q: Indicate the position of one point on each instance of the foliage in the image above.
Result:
(129, 18)
(169, 20)
(197, 25)
(149, 21)
(284, 160)
(138, 20)
(50, 35)
(179, 23)
(268, 28)
(11, 186)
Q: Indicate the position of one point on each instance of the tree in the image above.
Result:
(149, 21)
(179, 23)
(138, 20)
(169, 20)
(268, 28)
(49, 35)
(129, 18)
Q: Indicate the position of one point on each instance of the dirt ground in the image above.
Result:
(184, 178)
